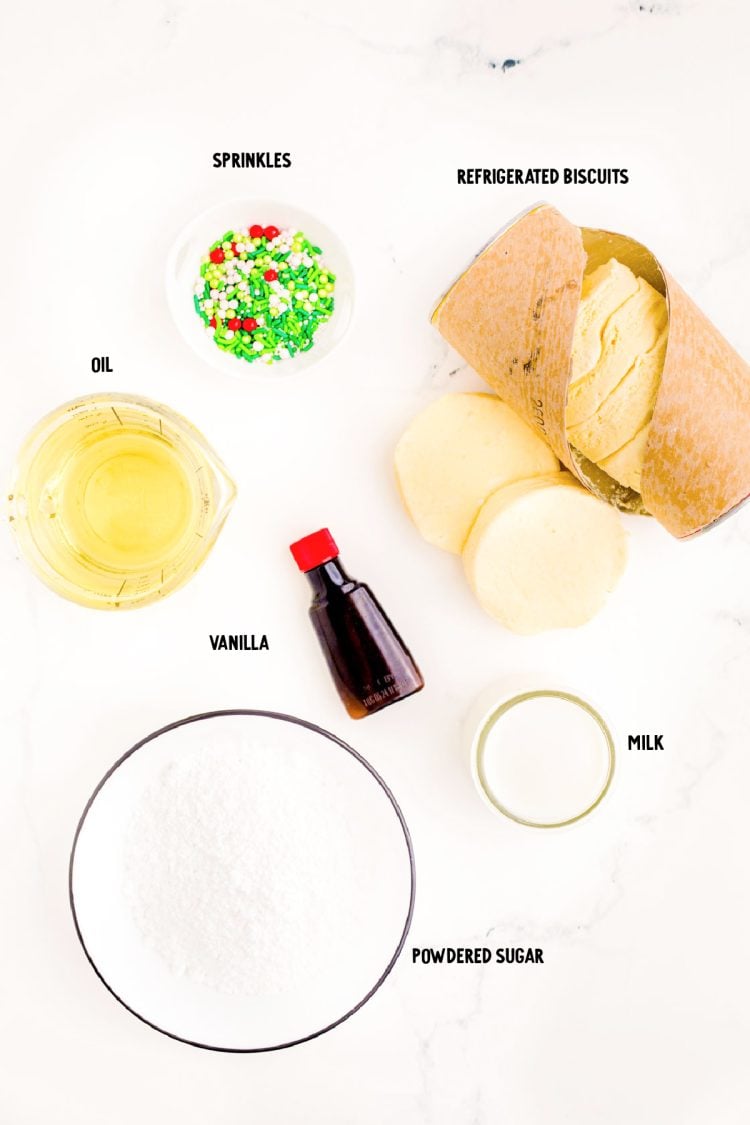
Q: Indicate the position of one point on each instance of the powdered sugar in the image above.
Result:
(241, 880)
(246, 869)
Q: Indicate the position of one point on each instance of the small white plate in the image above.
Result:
(183, 270)
(344, 974)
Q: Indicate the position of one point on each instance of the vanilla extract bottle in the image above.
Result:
(370, 664)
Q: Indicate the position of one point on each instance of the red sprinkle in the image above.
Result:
(256, 231)
(212, 322)
(217, 255)
(250, 324)
(233, 324)
(234, 247)
(270, 275)
(271, 232)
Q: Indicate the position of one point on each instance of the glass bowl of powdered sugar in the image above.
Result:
(242, 881)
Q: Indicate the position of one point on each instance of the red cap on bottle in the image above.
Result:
(314, 550)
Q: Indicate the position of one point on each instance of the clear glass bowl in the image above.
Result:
(543, 757)
(183, 268)
(373, 834)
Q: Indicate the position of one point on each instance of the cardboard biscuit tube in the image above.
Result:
(511, 315)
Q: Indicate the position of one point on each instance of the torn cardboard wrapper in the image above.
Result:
(511, 315)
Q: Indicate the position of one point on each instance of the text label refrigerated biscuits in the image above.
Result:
(511, 176)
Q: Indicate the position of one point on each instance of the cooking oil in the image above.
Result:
(125, 500)
(117, 501)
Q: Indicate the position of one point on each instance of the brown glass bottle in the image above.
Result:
(370, 664)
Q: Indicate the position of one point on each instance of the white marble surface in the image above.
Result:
(639, 1015)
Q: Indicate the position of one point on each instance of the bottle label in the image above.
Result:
(385, 687)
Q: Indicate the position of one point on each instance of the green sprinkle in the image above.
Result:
(286, 327)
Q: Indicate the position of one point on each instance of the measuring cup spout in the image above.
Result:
(227, 491)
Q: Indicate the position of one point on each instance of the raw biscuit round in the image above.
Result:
(458, 451)
(544, 554)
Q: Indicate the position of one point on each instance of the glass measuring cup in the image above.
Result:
(116, 500)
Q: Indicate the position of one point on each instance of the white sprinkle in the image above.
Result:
(257, 346)
(229, 334)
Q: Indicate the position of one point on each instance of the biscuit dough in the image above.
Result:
(619, 347)
(458, 451)
(544, 554)
(625, 465)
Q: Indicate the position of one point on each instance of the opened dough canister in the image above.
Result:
(512, 316)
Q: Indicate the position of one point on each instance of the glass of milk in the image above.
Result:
(540, 754)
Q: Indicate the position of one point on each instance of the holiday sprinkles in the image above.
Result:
(263, 293)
